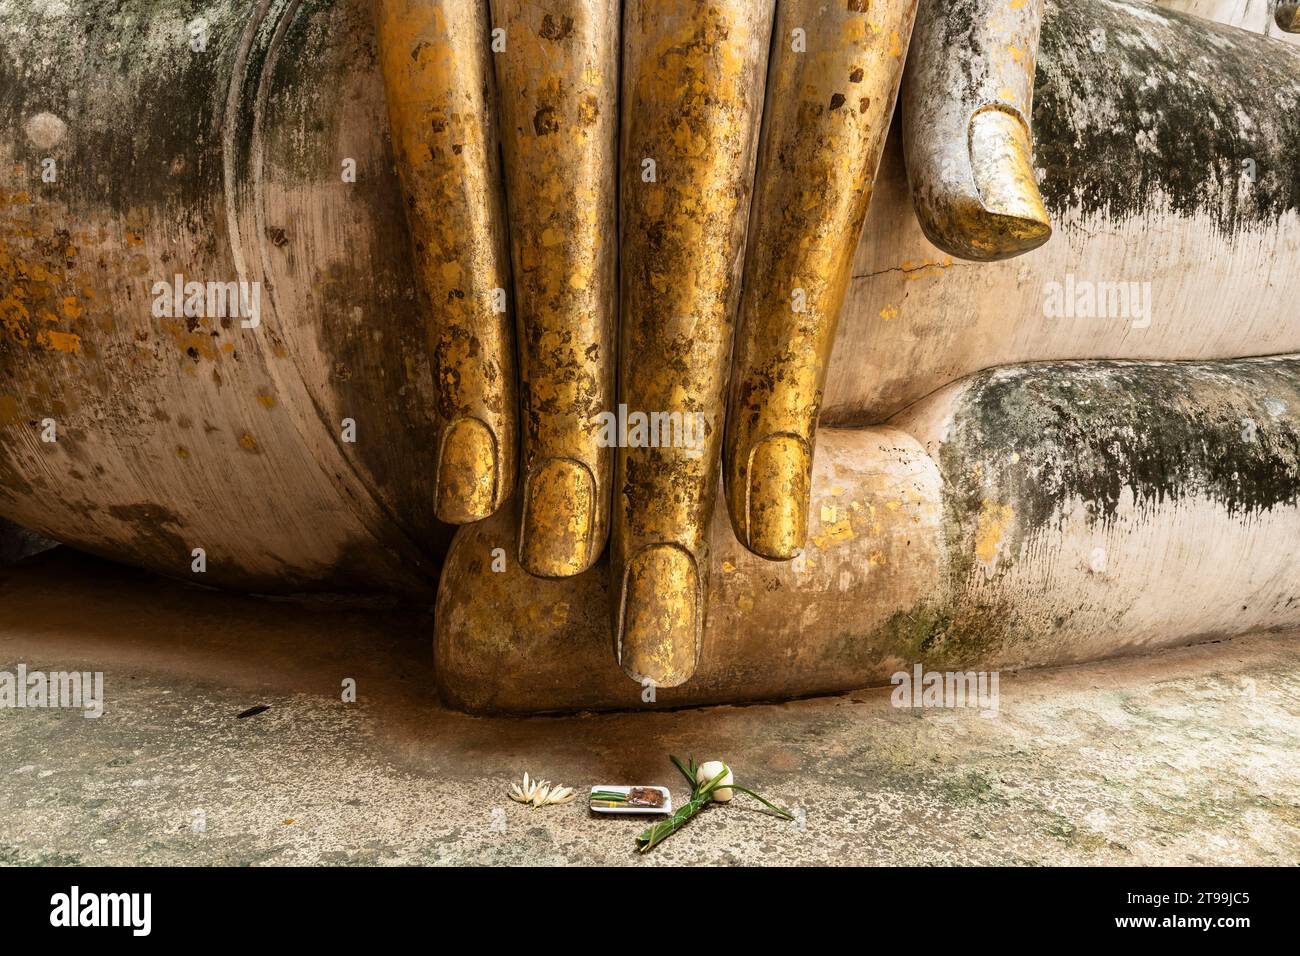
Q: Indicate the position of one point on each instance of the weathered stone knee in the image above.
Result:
(1029, 515)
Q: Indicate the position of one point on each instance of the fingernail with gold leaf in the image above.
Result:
(434, 57)
(830, 101)
(693, 78)
(558, 80)
(967, 138)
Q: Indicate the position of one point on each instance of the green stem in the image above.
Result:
(661, 831)
(701, 796)
(690, 775)
(771, 806)
(699, 800)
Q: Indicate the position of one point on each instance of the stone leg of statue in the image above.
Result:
(1010, 519)
(967, 103)
(557, 77)
(831, 89)
(438, 83)
(693, 75)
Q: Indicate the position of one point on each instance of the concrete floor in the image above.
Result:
(1188, 757)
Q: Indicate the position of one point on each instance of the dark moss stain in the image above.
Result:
(969, 788)
(960, 30)
(939, 634)
(321, 36)
(104, 157)
(172, 157)
(1038, 436)
(1174, 107)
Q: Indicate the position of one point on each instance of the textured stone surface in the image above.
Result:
(1064, 512)
(1186, 757)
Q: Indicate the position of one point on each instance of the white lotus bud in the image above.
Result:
(710, 769)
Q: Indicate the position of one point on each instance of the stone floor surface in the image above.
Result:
(1190, 756)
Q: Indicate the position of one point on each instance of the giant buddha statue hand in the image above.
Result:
(720, 198)
(978, 378)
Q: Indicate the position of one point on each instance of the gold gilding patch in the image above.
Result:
(660, 609)
(555, 534)
(557, 81)
(990, 527)
(467, 472)
(777, 497)
(693, 75)
(1000, 153)
(59, 341)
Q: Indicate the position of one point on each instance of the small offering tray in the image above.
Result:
(614, 798)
